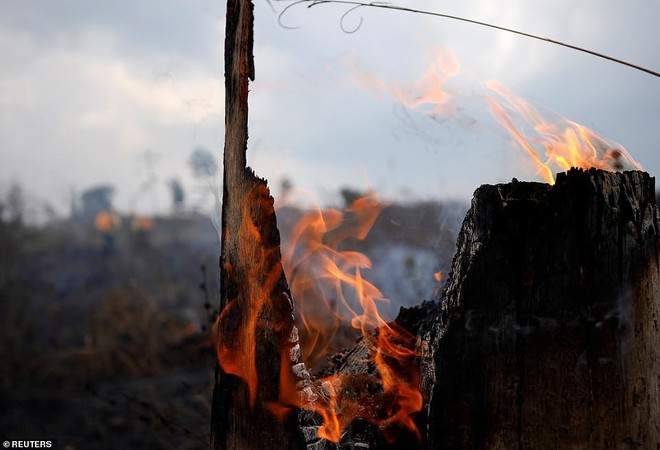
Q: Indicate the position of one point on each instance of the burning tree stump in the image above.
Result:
(548, 335)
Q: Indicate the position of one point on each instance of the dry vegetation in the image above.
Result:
(106, 348)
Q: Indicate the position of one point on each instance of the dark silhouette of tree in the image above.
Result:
(15, 203)
(94, 200)
(202, 163)
(178, 195)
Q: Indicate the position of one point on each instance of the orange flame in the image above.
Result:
(552, 144)
(318, 261)
(565, 143)
(107, 221)
(429, 93)
(319, 274)
(236, 327)
(322, 276)
(438, 276)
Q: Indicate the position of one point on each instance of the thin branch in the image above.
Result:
(343, 18)
(357, 4)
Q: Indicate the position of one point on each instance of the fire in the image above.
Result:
(438, 277)
(332, 297)
(565, 144)
(430, 93)
(335, 305)
(552, 143)
(431, 87)
(107, 221)
(319, 273)
(239, 321)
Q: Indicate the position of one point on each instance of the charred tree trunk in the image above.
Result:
(548, 336)
(255, 326)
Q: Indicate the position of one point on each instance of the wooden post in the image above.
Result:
(255, 326)
(549, 332)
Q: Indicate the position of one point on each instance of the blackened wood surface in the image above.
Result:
(549, 332)
(249, 262)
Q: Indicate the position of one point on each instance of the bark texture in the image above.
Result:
(255, 330)
(548, 335)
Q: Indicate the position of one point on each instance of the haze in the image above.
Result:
(122, 92)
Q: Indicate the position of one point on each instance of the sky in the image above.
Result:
(122, 92)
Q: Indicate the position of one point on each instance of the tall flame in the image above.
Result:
(332, 297)
(237, 325)
(319, 273)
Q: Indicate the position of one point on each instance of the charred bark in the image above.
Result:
(548, 335)
(255, 329)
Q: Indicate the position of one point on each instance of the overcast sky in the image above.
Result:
(87, 88)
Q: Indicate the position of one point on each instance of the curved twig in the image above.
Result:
(381, 5)
(287, 8)
(343, 18)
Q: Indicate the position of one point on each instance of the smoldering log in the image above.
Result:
(548, 334)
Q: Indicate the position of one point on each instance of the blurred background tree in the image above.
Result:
(202, 163)
(177, 194)
(95, 200)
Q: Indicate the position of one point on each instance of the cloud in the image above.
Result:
(86, 87)
(191, 29)
(88, 112)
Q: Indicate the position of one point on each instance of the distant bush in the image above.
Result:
(128, 320)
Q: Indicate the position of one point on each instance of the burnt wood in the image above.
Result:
(548, 335)
(251, 273)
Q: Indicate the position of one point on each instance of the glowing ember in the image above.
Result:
(438, 277)
(438, 289)
(554, 144)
